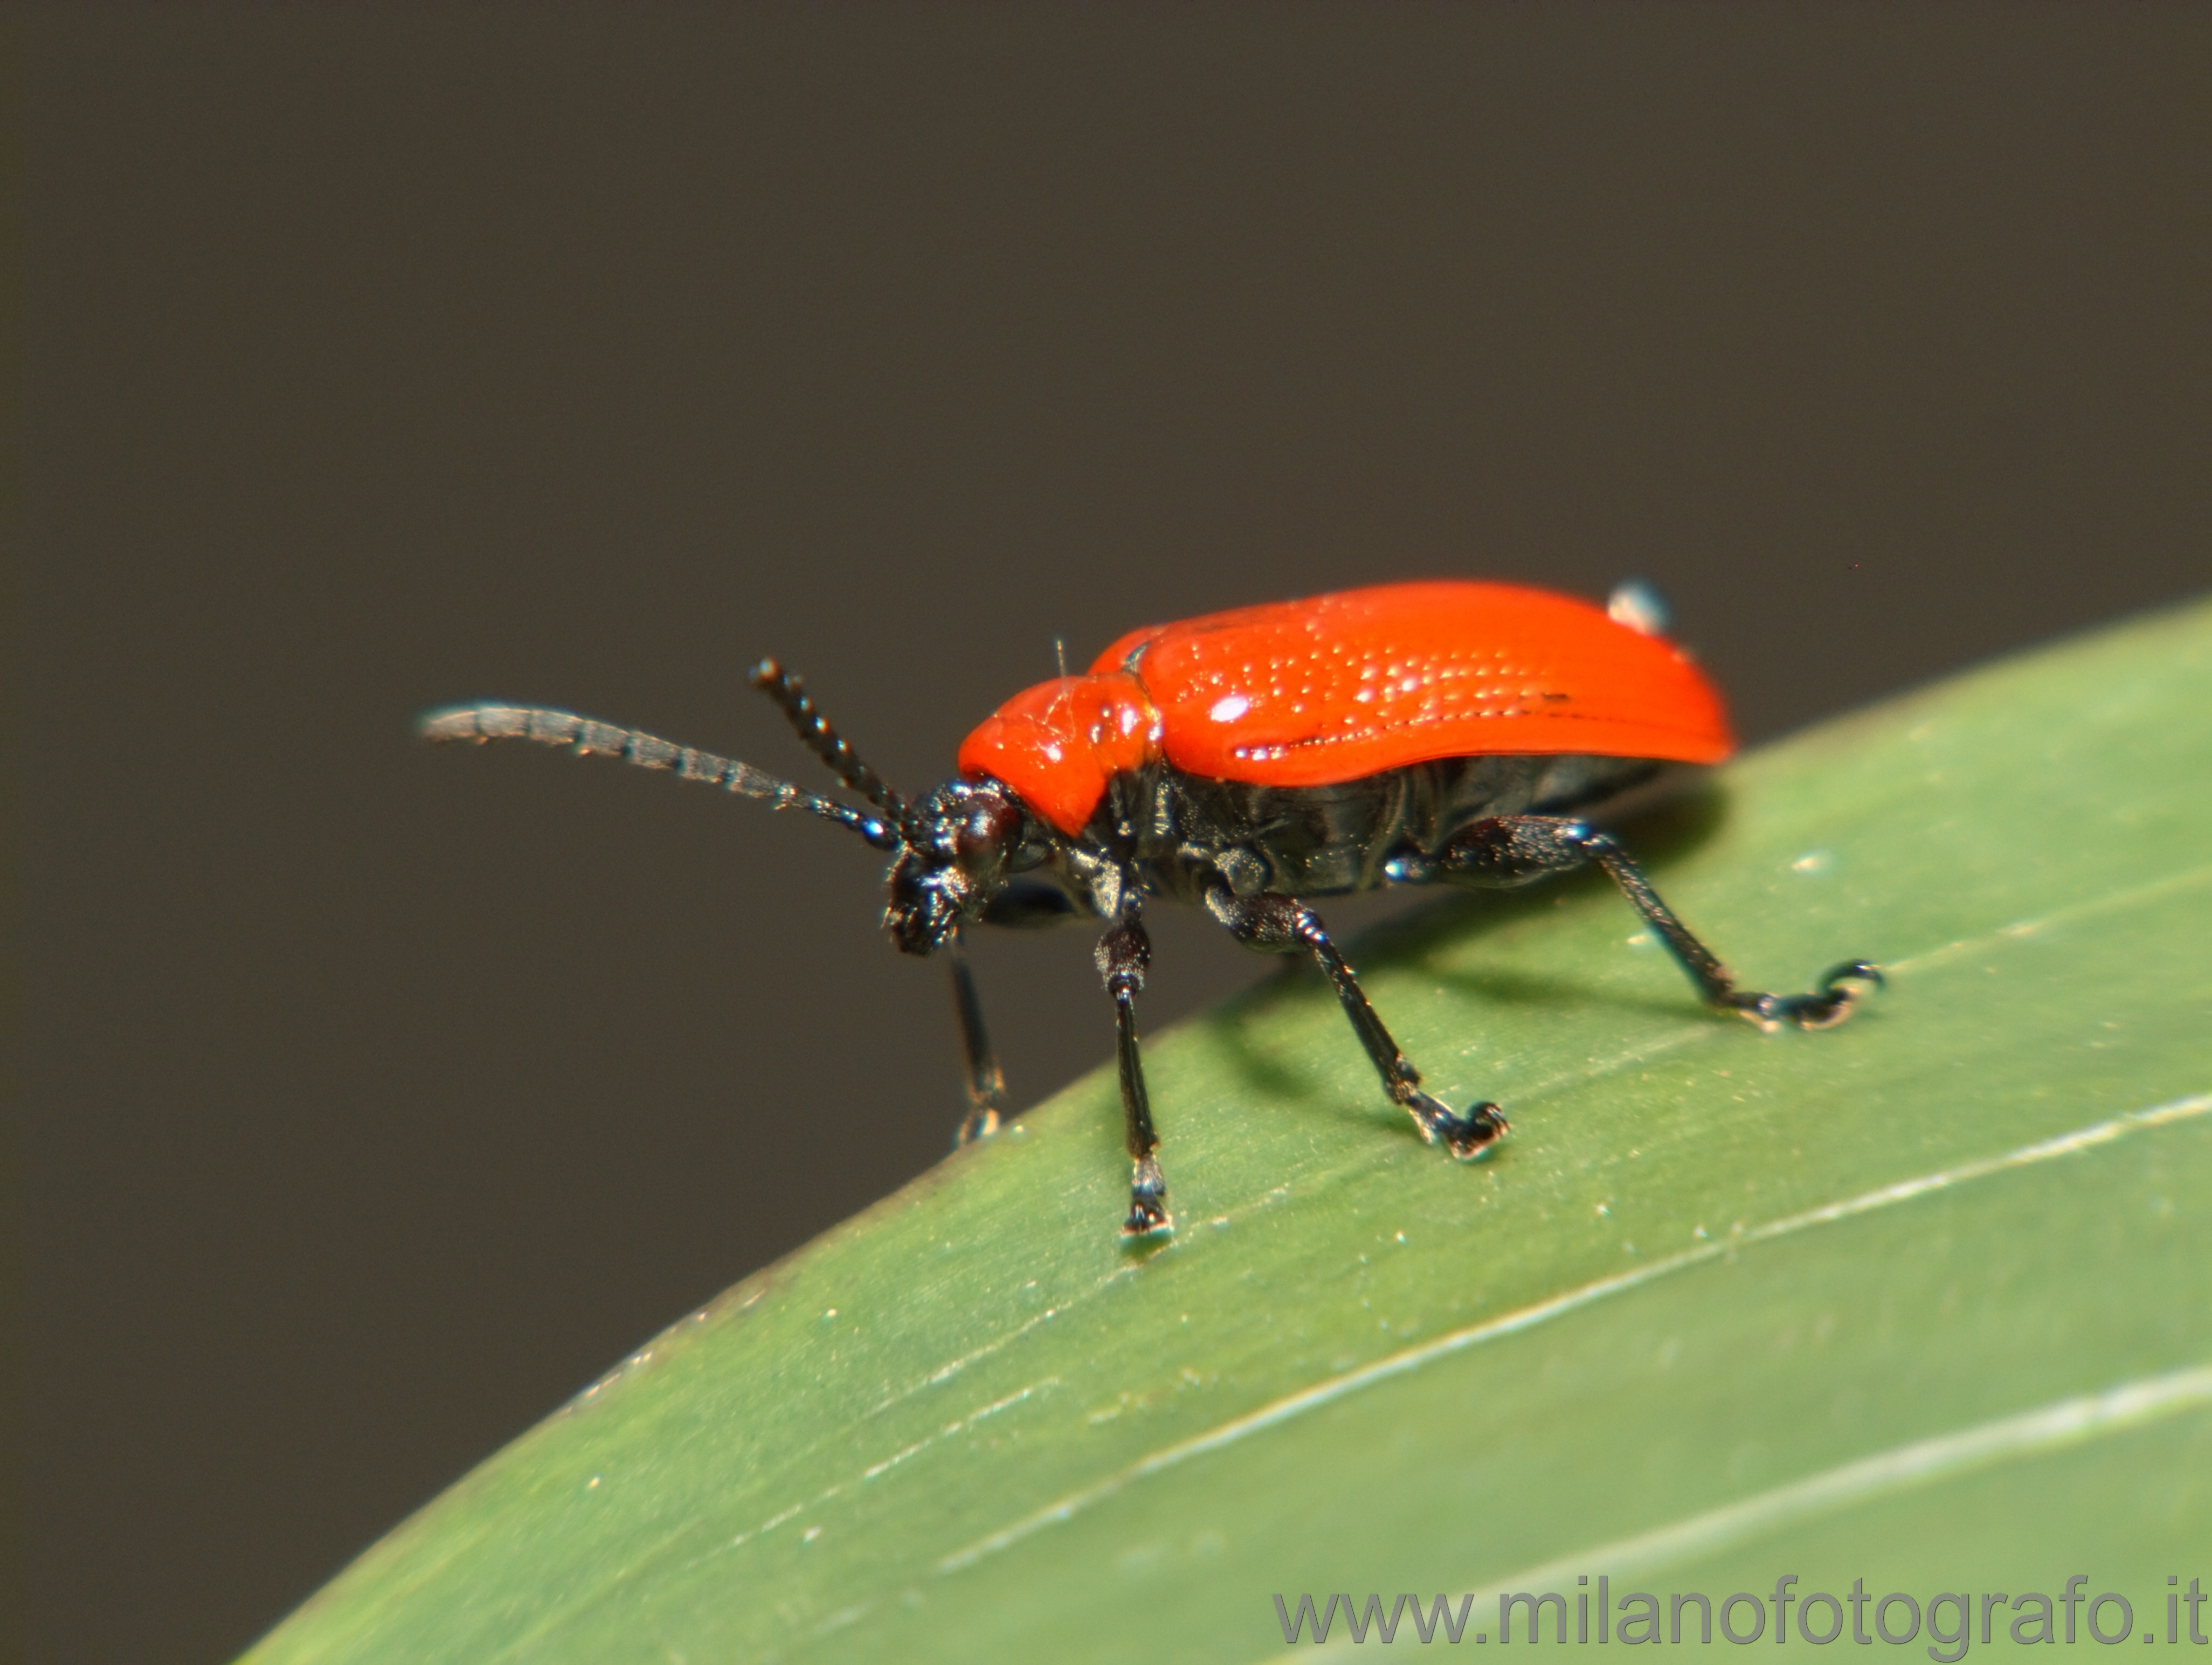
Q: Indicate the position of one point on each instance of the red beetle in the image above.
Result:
(1249, 761)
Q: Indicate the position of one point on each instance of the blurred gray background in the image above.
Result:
(380, 1096)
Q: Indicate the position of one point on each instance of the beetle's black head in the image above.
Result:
(959, 845)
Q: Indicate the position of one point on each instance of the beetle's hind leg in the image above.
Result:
(1505, 850)
(1281, 924)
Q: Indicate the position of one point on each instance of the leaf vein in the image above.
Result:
(1292, 1406)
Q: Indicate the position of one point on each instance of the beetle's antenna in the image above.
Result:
(584, 737)
(789, 692)
(1059, 652)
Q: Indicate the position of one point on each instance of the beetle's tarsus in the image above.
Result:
(1465, 1136)
(1148, 1202)
(1472, 1136)
(1828, 1005)
(1833, 997)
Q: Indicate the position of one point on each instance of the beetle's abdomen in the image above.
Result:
(1336, 839)
(1058, 743)
(1338, 688)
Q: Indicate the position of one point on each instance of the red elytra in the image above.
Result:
(1340, 687)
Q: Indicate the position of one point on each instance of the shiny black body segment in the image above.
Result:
(1317, 841)
(1255, 858)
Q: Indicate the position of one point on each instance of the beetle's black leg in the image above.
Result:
(1281, 924)
(986, 1081)
(1514, 850)
(1123, 954)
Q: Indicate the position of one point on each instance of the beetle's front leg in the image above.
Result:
(1505, 850)
(985, 1081)
(1123, 954)
(1282, 925)
(1024, 904)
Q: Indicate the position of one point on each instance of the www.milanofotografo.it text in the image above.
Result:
(1950, 1621)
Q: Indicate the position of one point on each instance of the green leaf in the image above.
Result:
(1924, 1300)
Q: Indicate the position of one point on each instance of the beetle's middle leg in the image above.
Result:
(1282, 925)
(1505, 850)
(1123, 954)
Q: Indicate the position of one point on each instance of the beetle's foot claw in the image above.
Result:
(1148, 1203)
(1465, 1136)
(1828, 1005)
(1477, 1131)
(976, 1124)
(1832, 1000)
(1147, 1221)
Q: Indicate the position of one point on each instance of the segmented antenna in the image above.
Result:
(587, 737)
(789, 692)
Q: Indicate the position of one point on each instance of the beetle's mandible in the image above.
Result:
(1248, 762)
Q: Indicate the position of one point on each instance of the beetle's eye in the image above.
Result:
(984, 835)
